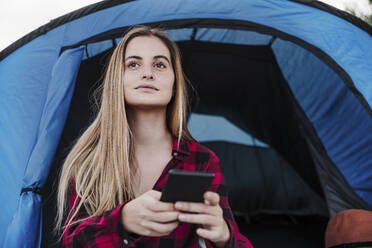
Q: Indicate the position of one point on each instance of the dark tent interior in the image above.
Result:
(274, 191)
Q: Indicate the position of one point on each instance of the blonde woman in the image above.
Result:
(111, 181)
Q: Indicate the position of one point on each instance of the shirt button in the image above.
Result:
(175, 154)
(126, 241)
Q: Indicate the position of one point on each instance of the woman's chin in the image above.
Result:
(148, 102)
(147, 106)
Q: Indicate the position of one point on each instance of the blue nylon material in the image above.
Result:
(341, 40)
(102, 46)
(96, 48)
(242, 37)
(179, 34)
(205, 128)
(24, 78)
(346, 44)
(343, 125)
(25, 228)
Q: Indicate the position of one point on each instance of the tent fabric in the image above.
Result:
(220, 35)
(319, 22)
(27, 219)
(329, 107)
(207, 128)
(335, 106)
(254, 170)
(269, 183)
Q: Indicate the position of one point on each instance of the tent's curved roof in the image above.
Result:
(110, 3)
(361, 92)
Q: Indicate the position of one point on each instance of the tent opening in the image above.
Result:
(242, 100)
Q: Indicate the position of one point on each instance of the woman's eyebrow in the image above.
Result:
(133, 57)
(155, 57)
(161, 56)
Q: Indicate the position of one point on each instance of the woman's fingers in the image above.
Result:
(155, 205)
(202, 219)
(164, 217)
(207, 234)
(211, 198)
(161, 207)
(201, 208)
(158, 229)
(155, 194)
(192, 207)
(146, 215)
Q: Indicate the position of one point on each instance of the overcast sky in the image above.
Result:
(19, 17)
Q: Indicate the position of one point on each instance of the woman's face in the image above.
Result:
(148, 76)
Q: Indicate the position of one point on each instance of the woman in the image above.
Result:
(114, 174)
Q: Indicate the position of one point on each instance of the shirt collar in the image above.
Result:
(181, 149)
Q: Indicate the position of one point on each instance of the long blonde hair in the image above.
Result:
(101, 163)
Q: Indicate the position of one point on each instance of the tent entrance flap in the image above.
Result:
(28, 216)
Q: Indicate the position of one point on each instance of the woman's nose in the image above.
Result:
(147, 76)
(147, 73)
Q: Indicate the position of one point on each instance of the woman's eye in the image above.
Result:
(160, 65)
(132, 64)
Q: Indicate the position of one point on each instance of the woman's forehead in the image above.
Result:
(146, 46)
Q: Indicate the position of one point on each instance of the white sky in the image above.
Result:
(20, 17)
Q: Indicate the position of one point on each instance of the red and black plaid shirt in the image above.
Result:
(107, 230)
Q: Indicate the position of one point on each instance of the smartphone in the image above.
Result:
(188, 186)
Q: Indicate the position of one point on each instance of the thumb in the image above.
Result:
(211, 198)
(154, 193)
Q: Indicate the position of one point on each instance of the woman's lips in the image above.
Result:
(146, 86)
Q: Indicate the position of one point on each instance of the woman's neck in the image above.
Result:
(149, 127)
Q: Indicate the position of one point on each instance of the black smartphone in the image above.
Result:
(188, 186)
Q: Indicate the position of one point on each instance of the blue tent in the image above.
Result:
(293, 77)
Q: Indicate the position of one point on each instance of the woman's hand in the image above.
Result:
(208, 214)
(148, 216)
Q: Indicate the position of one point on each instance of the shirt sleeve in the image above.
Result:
(100, 231)
(237, 240)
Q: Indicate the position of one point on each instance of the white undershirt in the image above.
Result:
(202, 243)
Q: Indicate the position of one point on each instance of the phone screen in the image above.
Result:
(188, 186)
